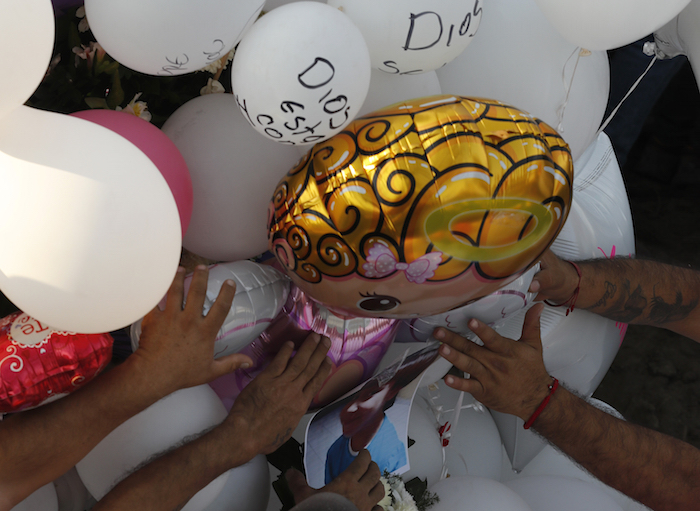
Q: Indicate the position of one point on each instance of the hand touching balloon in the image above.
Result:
(556, 281)
(177, 344)
(271, 406)
(506, 375)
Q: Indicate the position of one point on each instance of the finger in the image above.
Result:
(174, 297)
(357, 469)
(303, 355)
(315, 361)
(198, 290)
(279, 363)
(222, 305)
(463, 362)
(297, 484)
(456, 341)
(315, 383)
(471, 385)
(531, 327)
(371, 475)
(492, 340)
(231, 363)
(377, 493)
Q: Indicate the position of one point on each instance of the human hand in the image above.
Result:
(359, 483)
(506, 375)
(177, 344)
(266, 412)
(556, 281)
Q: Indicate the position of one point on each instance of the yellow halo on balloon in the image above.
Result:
(439, 227)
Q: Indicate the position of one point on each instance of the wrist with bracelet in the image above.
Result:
(552, 388)
(571, 302)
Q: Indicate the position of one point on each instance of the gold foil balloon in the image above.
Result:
(422, 206)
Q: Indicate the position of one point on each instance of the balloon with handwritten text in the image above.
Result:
(160, 37)
(301, 73)
(421, 207)
(413, 36)
(39, 364)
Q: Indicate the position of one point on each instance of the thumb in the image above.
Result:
(531, 327)
(297, 485)
(230, 363)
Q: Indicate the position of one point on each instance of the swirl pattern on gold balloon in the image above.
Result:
(482, 184)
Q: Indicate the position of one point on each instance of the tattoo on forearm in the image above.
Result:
(662, 312)
(628, 305)
(281, 439)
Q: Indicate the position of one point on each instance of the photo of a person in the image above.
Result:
(367, 420)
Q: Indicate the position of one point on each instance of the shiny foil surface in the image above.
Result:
(422, 206)
(39, 364)
(357, 346)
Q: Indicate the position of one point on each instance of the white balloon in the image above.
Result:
(425, 454)
(273, 4)
(43, 499)
(474, 442)
(301, 73)
(607, 24)
(91, 236)
(261, 292)
(493, 310)
(681, 36)
(554, 493)
(469, 493)
(519, 58)
(247, 488)
(161, 37)
(386, 89)
(28, 24)
(160, 427)
(234, 174)
(412, 36)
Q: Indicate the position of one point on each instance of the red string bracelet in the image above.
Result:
(543, 404)
(571, 302)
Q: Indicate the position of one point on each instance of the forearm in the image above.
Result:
(170, 481)
(655, 469)
(38, 446)
(642, 292)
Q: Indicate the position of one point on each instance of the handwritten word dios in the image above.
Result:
(314, 109)
(428, 31)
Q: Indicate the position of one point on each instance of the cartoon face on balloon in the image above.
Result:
(421, 207)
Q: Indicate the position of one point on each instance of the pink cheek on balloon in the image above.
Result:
(342, 379)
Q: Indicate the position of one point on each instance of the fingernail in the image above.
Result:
(473, 324)
(445, 350)
(201, 267)
(229, 283)
(534, 286)
(245, 365)
(439, 333)
(449, 380)
(180, 269)
(326, 342)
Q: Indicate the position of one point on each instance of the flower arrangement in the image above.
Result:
(410, 496)
(82, 75)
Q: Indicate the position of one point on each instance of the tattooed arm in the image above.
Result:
(261, 420)
(628, 290)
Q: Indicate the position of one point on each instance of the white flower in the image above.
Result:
(212, 87)
(219, 64)
(83, 24)
(137, 108)
(385, 503)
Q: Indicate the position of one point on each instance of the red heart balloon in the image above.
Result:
(38, 363)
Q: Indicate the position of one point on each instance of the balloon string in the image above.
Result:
(634, 86)
(567, 87)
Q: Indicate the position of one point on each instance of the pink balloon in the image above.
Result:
(157, 146)
(357, 347)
